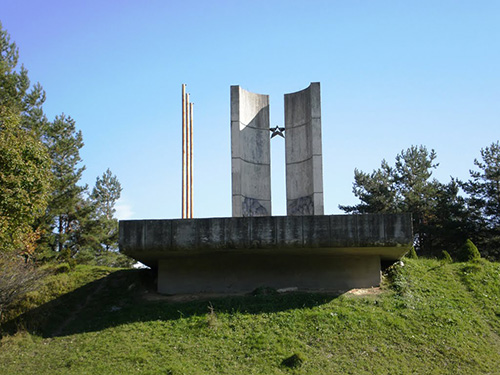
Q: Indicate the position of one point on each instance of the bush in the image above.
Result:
(61, 268)
(293, 361)
(412, 254)
(446, 257)
(17, 278)
(469, 252)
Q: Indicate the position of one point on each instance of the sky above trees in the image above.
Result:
(393, 74)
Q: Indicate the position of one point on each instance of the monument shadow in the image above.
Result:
(129, 296)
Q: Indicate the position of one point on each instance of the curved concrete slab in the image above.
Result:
(304, 158)
(250, 153)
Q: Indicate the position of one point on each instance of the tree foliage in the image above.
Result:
(25, 182)
(25, 178)
(405, 187)
(443, 218)
(103, 198)
(483, 201)
(66, 204)
(42, 203)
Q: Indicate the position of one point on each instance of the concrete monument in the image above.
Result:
(305, 250)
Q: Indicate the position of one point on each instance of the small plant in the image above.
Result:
(469, 252)
(294, 361)
(412, 254)
(211, 316)
(61, 268)
(446, 257)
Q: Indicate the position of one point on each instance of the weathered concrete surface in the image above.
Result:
(250, 153)
(304, 158)
(244, 272)
(241, 254)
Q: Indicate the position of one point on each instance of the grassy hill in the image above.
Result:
(429, 317)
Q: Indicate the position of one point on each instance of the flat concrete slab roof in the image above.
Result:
(387, 235)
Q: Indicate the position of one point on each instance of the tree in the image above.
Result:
(448, 227)
(24, 162)
(406, 187)
(403, 188)
(483, 201)
(376, 191)
(103, 198)
(67, 205)
(15, 86)
(25, 182)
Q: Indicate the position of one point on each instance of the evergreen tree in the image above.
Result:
(103, 198)
(67, 208)
(406, 187)
(15, 86)
(483, 200)
(447, 226)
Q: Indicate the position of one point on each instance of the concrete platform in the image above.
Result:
(237, 255)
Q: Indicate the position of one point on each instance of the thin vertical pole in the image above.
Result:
(191, 159)
(187, 156)
(183, 151)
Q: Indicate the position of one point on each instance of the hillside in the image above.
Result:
(429, 317)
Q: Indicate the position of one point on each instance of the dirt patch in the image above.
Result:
(365, 291)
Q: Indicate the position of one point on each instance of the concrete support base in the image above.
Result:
(243, 273)
(238, 255)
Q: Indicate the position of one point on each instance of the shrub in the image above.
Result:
(293, 361)
(17, 278)
(446, 257)
(412, 254)
(61, 268)
(469, 252)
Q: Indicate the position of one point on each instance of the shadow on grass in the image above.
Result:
(124, 297)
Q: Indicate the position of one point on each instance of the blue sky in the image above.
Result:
(393, 74)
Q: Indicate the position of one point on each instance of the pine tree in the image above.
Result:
(406, 187)
(103, 198)
(483, 201)
(67, 208)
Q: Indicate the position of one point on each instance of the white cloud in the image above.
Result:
(123, 210)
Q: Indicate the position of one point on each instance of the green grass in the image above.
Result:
(431, 317)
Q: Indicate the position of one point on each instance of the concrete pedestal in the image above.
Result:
(238, 255)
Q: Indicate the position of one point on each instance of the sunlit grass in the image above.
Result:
(430, 318)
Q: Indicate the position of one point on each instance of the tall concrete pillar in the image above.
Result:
(304, 158)
(250, 152)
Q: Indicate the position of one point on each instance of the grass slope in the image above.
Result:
(431, 317)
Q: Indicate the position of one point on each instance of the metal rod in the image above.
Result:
(191, 160)
(187, 156)
(183, 151)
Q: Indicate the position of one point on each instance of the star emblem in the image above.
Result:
(277, 131)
